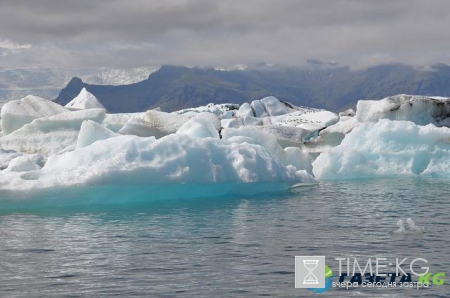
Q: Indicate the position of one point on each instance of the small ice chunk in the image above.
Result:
(259, 109)
(244, 111)
(274, 107)
(408, 226)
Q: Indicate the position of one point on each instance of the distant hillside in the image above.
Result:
(173, 87)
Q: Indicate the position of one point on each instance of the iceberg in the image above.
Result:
(84, 100)
(267, 141)
(421, 110)
(386, 149)
(17, 113)
(176, 158)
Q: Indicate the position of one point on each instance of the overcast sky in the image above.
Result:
(108, 33)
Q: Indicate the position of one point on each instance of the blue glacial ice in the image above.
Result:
(217, 149)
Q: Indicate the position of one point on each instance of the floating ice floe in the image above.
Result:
(84, 100)
(408, 226)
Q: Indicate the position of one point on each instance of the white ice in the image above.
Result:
(385, 149)
(17, 113)
(55, 134)
(408, 226)
(175, 158)
(203, 125)
(84, 100)
(48, 146)
(421, 110)
(155, 123)
(223, 111)
(90, 132)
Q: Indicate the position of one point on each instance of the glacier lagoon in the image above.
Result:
(217, 199)
(141, 245)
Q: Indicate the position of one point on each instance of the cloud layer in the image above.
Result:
(118, 33)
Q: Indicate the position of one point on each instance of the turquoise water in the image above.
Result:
(226, 246)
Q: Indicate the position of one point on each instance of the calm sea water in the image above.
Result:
(223, 247)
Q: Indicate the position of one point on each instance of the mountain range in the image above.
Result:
(334, 88)
(47, 82)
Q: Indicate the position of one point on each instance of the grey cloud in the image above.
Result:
(224, 33)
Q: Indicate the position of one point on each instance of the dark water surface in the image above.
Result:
(223, 247)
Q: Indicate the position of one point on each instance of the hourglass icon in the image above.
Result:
(310, 278)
